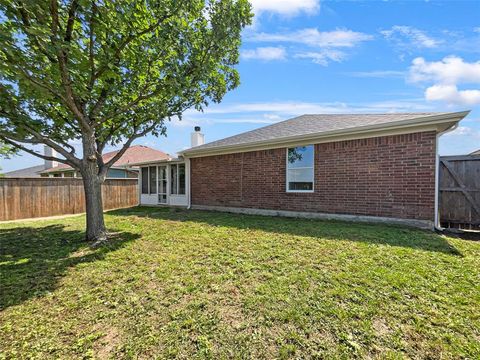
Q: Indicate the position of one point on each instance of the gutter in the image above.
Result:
(437, 176)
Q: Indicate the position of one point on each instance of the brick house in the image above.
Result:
(368, 167)
(123, 167)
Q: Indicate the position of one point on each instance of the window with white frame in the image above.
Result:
(144, 180)
(177, 179)
(300, 175)
(153, 179)
(162, 184)
(149, 180)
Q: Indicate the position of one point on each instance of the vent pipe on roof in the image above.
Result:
(48, 151)
(197, 138)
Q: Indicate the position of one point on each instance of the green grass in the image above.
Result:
(191, 284)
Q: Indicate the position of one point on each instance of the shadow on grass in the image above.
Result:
(392, 235)
(32, 259)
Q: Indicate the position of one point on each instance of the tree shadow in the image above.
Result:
(32, 259)
(382, 234)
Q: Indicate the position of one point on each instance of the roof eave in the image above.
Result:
(158, 161)
(53, 170)
(448, 119)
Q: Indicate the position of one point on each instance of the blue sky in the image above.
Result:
(310, 56)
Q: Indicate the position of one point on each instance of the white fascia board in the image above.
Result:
(159, 162)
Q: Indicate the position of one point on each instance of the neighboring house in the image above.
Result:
(364, 166)
(477, 152)
(32, 171)
(123, 168)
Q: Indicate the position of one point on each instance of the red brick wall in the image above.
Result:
(391, 176)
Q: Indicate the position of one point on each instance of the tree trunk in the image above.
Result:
(96, 231)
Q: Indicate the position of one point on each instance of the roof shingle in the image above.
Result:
(134, 154)
(311, 124)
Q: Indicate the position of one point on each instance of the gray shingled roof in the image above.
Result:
(33, 171)
(311, 124)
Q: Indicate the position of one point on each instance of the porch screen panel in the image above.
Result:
(162, 184)
(173, 182)
(153, 179)
(144, 180)
(181, 179)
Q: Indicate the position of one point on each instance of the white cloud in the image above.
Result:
(451, 94)
(285, 7)
(276, 108)
(450, 70)
(329, 43)
(265, 53)
(410, 36)
(446, 75)
(323, 57)
(313, 37)
(477, 29)
(465, 131)
(378, 74)
(269, 112)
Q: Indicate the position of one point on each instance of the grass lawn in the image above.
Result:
(191, 284)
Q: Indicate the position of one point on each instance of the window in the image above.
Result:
(162, 184)
(300, 168)
(153, 179)
(181, 179)
(144, 180)
(177, 176)
(174, 182)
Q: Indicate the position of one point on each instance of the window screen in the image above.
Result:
(174, 182)
(181, 179)
(144, 180)
(153, 179)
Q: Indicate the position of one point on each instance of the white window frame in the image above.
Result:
(150, 179)
(305, 167)
(166, 184)
(141, 180)
(178, 179)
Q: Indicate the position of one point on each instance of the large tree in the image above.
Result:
(6, 151)
(108, 72)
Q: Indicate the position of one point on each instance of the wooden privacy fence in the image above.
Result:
(22, 198)
(459, 195)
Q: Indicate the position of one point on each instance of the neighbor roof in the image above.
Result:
(134, 154)
(32, 171)
(323, 124)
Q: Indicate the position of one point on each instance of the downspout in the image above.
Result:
(189, 187)
(437, 176)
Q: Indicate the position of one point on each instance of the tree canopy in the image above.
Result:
(111, 70)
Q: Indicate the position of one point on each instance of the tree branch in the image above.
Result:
(34, 153)
(113, 160)
(129, 39)
(90, 47)
(71, 20)
(26, 23)
(35, 81)
(62, 57)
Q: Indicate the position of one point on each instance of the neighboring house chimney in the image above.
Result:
(48, 151)
(197, 138)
